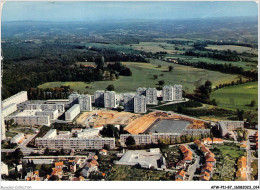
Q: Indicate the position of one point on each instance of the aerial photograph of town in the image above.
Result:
(129, 91)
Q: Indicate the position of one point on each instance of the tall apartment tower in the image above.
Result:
(177, 92)
(74, 98)
(110, 99)
(167, 93)
(85, 103)
(151, 96)
(140, 104)
(129, 102)
(99, 98)
(141, 91)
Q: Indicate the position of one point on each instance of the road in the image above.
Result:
(193, 167)
(169, 103)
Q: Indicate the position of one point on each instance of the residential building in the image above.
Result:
(72, 112)
(140, 104)
(59, 107)
(151, 96)
(167, 93)
(17, 99)
(53, 114)
(85, 102)
(54, 141)
(141, 91)
(99, 98)
(225, 126)
(74, 98)
(177, 92)
(30, 120)
(129, 102)
(110, 99)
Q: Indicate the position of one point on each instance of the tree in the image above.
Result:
(130, 141)
(214, 102)
(155, 76)
(46, 151)
(170, 68)
(106, 146)
(159, 66)
(110, 87)
(161, 82)
(253, 103)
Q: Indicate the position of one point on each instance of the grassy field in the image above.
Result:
(237, 97)
(143, 73)
(239, 49)
(226, 156)
(154, 47)
(10, 134)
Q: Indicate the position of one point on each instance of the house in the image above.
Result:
(58, 169)
(198, 144)
(217, 141)
(72, 166)
(103, 152)
(180, 175)
(33, 176)
(243, 145)
(207, 140)
(204, 178)
(187, 154)
(180, 165)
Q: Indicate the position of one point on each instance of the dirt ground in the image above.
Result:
(141, 124)
(102, 117)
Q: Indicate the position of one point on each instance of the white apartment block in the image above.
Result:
(151, 96)
(141, 91)
(110, 99)
(17, 99)
(85, 102)
(129, 102)
(59, 107)
(53, 114)
(30, 120)
(167, 93)
(4, 169)
(56, 142)
(74, 98)
(72, 112)
(140, 104)
(11, 108)
(3, 136)
(177, 92)
(99, 98)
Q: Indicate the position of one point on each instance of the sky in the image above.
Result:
(89, 11)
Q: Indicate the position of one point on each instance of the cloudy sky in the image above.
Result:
(85, 11)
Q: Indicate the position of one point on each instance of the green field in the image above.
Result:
(237, 97)
(189, 77)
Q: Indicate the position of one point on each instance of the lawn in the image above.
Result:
(142, 76)
(226, 156)
(237, 97)
(10, 134)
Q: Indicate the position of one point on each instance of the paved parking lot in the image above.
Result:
(169, 126)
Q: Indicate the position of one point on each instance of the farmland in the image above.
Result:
(237, 97)
(143, 76)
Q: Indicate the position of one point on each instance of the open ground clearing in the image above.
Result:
(189, 77)
(103, 117)
(237, 97)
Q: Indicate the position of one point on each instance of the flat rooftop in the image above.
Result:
(133, 157)
(168, 126)
(28, 112)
